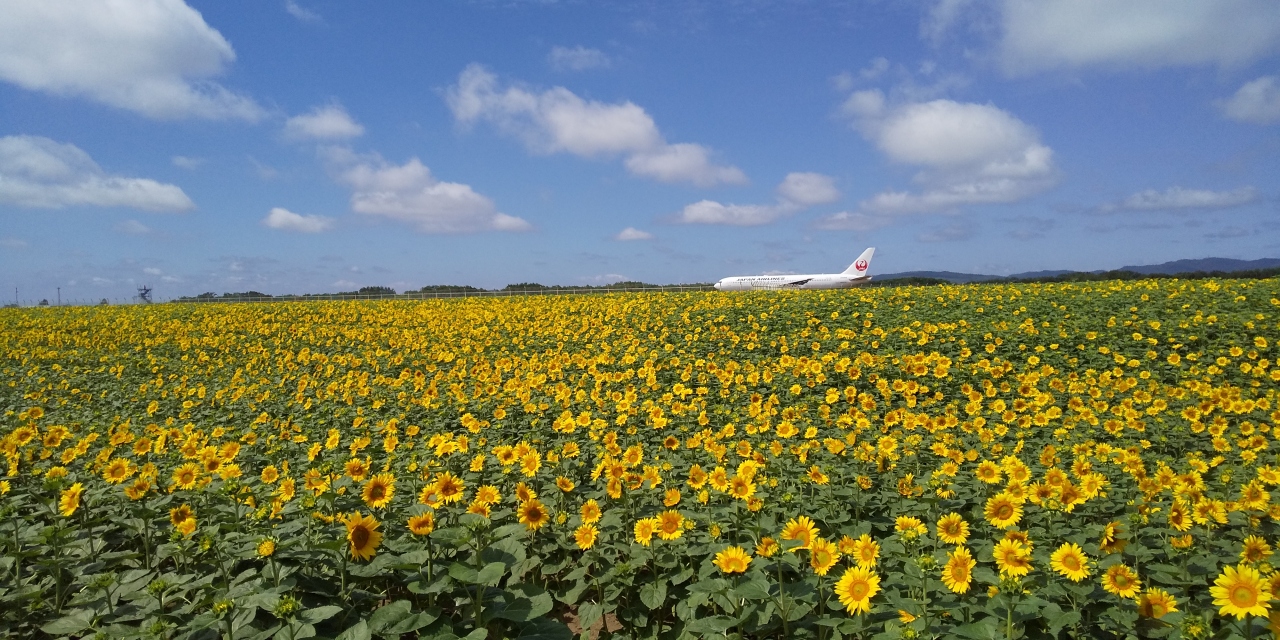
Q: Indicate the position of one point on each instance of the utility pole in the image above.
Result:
(59, 296)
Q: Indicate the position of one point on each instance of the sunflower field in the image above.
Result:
(982, 461)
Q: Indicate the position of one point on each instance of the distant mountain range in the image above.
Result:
(1168, 268)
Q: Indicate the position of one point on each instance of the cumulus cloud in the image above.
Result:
(797, 192)
(187, 162)
(632, 233)
(301, 13)
(409, 193)
(41, 173)
(577, 58)
(712, 212)
(968, 153)
(1257, 102)
(133, 228)
(325, 122)
(1175, 198)
(1042, 35)
(286, 220)
(153, 57)
(808, 189)
(683, 162)
(853, 221)
(954, 232)
(558, 121)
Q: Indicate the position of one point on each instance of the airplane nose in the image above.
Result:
(717, 286)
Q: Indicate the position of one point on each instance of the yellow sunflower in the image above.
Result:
(1122, 581)
(69, 501)
(822, 555)
(767, 547)
(866, 551)
(670, 525)
(1070, 561)
(450, 487)
(585, 536)
(741, 488)
(856, 588)
(533, 515)
(590, 512)
(957, 574)
(733, 560)
(1255, 550)
(1111, 542)
(379, 490)
(488, 494)
(800, 529)
(1240, 591)
(1012, 557)
(138, 490)
(356, 468)
(671, 497)
(363, 534)
(952, 529)
(644, 530)
(1155, 603)
(185, 477)
(422, 524)
(180, 513)
(1002, 511)
(117, 471)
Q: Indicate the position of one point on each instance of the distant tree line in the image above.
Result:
(913, 281)
(1091, 276)
(426, 291)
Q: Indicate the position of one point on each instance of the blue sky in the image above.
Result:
(315, 145)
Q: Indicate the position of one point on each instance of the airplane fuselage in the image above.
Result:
(808, 281)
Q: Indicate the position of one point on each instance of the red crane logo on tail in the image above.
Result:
(860, 265)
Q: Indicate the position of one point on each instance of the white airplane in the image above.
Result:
(854, 276)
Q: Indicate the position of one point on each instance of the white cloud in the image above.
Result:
(578, 58)
(40, 173)
(808, 189)
(187, 162)
(264, 171)
(1041, 35)
(133, 228)
(409, 193)
(969, 153)
(853, 221)
(154, 57)
(940, 18)
(327, 122)
(13, 243)
(796, 192)
(712, 212)
(632, 233)
(152, 271)
(298, 11)
(1180, 198)
(955, 232)
(286, 220)
(559, 121)
(1257, 102)
(683, 162)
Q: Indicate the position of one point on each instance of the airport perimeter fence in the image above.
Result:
(409, 295)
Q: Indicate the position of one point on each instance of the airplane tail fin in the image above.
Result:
(859, 267)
